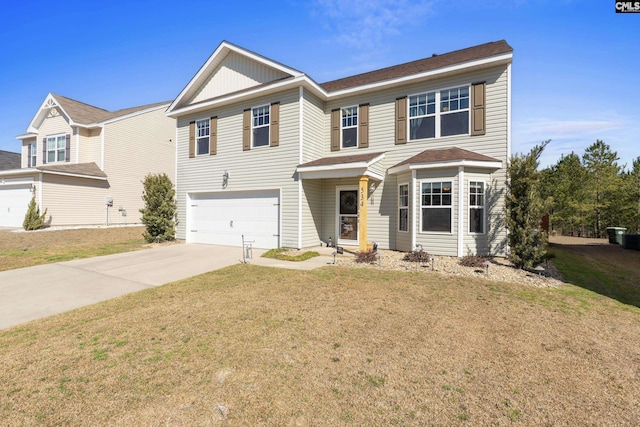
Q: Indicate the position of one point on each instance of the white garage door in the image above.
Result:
(14, 201)
(222, 218)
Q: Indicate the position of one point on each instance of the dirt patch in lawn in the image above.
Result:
(249, 345)
(25, 249)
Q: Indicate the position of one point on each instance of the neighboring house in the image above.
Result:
(9, 160)
(85, 164)
(408, 156)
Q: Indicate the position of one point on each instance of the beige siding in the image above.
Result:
(236, 72)
(135, 147)
(53, 125)
(314, 125)
(261, 168)
(90, 146)
(74, 201)
(381, 139)
(24, 151)
(312, 212)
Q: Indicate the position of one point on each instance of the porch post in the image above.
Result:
(363, 194)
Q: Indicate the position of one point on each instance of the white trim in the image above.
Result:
(423, 75)
(77, 129)
(208, 120)
(437, 115)
(55, 137)
(337, 217)
(508, 111)
(481, 164)
(15, 181)
(300, 157)
(356, 126)
(268, 126)
(214, 60)
(22, 171)
(75, 175)
(461, 205)
(484, 206)
(440, 180)
(341, 173)
(27, 135)
(103, 130)
(412, 224)
(398, 207)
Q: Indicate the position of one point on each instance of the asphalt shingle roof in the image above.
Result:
(83, 113)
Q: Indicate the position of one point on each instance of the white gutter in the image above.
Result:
(460, 210)
(453, 163)
(508, 111)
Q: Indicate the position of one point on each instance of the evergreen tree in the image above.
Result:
(159, 212)
(32, 219)
(603, 185)
(524, 208)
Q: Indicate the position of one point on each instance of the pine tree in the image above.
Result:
(524, 209)
(159, 212)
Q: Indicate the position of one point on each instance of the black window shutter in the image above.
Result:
(44, 150)
(67, 152)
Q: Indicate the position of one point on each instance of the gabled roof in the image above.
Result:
(434, 62)
(81, 114)
(446, 157)
(83, 170)
(215, 60)
(9, 160)
(477, 57)
(341, 166)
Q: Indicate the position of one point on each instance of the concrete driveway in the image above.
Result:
(35, 292)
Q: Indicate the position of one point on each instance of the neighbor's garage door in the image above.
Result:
(14, 201)
(222, 218)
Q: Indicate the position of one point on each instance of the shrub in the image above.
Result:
(473, 261)
(32, 219)
(367, 257)
(159, 212)
(417, 256)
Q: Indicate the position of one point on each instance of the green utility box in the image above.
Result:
(615, 234)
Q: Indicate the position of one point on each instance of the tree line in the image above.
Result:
(583, 195)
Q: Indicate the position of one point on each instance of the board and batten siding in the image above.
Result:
(236, 72)
(73, 201)
(382, 139)
(261, 168)
(134, 147)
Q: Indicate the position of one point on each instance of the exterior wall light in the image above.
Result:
(225, 179)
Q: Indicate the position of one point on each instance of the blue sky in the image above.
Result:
(575, 68)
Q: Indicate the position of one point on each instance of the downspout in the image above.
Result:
(507, 248)
(300, 157)
(413, 209)
(77, 129)
(460, 210)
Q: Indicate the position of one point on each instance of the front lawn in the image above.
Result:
(249, 345)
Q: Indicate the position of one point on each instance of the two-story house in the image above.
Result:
(409, 156)
(85, 164)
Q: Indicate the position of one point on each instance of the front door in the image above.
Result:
(348, 216)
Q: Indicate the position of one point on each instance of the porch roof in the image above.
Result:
(80, 170)
(446, 157)
(341, 167)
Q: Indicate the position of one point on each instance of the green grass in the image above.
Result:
(281, 254)
(609, 271)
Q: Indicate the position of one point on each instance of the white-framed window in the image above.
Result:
(202, 136)
(349, 126)
(56, 148)
(439, 113)
(476, 207)
(32, 160)
(403, 207)
(260, 125)
(436, 206)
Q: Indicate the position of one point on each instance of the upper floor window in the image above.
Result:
(260, 125)
(202, 136)
(31, 161)
(56, 148)
(441, 113)
(349, 127)
(403, 207)
(476, 207)
(437, 206)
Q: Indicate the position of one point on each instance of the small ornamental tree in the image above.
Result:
(159, 212)
(32, 219)
(524, 209)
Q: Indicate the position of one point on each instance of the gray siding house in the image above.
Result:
(409, 156)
